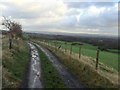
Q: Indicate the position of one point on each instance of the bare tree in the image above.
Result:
(15, 30)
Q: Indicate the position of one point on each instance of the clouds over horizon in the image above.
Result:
(60, 16)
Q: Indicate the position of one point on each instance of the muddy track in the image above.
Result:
(34, 77)
(70, 80)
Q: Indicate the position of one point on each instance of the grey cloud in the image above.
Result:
(106, 19)
(87, 4)
(73, 12)
(68, 21)
(17, 12)
(20, 15)
(78, 4)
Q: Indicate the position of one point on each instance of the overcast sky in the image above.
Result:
(66, 16)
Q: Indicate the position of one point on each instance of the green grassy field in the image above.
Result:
(108, 58)
(114, 50)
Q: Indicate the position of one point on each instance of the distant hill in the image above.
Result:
(104, 41)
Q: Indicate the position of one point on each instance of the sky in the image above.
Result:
(63, 16)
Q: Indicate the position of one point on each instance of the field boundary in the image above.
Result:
(98, 72)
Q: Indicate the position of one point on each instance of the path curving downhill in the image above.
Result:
(70, 80)
(34, 78)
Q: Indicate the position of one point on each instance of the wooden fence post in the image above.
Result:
(65, 46)
(71, 50)
(10, 41)
(79, 52)
(97, 58)
(55, 45)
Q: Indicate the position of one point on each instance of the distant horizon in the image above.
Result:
(67, 33)
(72, 34)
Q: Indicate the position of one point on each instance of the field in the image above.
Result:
(108, 58)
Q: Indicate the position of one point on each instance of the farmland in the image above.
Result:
(108, 58)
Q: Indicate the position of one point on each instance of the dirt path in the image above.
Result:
(34, 78)
(70, 80)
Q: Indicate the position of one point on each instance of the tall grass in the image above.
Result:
(14, 63)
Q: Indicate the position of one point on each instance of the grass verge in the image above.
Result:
(51, 78)
(14, 63)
